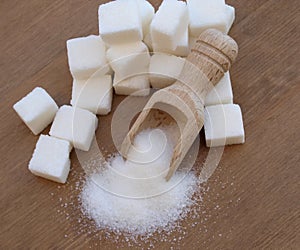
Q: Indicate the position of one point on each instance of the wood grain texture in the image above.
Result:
(253, 197)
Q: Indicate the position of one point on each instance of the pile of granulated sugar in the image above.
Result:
(132, 196)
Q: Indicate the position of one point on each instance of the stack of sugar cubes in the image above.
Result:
(123, 25)
(119, 58)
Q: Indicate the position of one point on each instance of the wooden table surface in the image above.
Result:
(252, 200)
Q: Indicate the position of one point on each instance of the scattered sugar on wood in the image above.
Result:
(133, 196)
(199, 215)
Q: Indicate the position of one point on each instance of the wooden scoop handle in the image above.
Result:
(211, 57)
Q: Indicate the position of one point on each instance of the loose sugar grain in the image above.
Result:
(133, 196)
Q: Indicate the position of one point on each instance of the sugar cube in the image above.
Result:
(37, 110)
(164, 69)
(120, 22)
(146, 12)
(148, 41)
(129, 59)
(86, 55)
(229, 16)
(223, 125)
(93, 94)
(209, 14)
(135, 86)
(50, 159)
(75, 125)
(221, 93)
(182, 46)
(169, 24)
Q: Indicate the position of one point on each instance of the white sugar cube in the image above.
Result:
(182, 46)
(136, 85)
(146, 12)
(120, 22)
(129, 59)
(209, 14)
(93, 94)
(229, 16)
(223, 125)
(87, 55)
(75, 125)
(164, 69)
(169, 24)
(37, 110)
(50, 159)
(148, 41)
(221, 93)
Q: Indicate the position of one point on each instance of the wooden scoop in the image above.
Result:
(182, 103)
